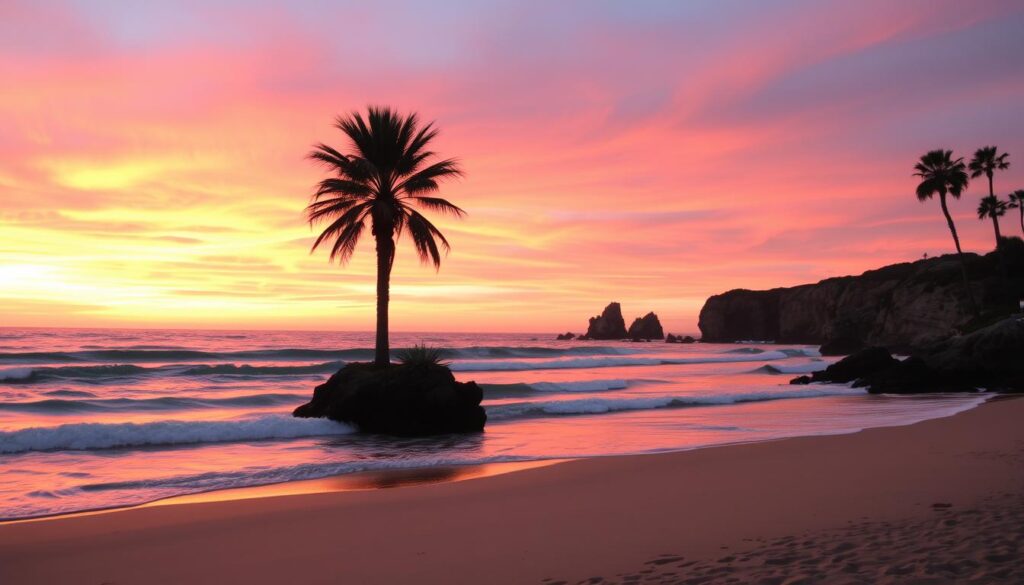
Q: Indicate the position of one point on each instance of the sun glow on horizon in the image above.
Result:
(153, 170)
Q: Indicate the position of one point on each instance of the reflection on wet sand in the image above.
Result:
(369, 480)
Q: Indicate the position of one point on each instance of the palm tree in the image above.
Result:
(987, 160)
(942, 175)
(1017, 202)
(992, 207)
(387, 170)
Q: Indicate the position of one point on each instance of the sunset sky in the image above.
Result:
(153, 171)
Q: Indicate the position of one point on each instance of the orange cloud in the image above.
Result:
(153, 173)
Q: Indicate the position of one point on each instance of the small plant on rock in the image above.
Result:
(422, 356)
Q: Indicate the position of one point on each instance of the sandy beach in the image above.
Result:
(935, 502)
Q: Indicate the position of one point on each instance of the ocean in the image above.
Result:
(101, 418)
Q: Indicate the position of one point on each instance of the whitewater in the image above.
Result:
(100, 418)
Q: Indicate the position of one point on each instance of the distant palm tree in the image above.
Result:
(387, 168)
(942, 175)
(986, 161)
(1017, 202)
(992, 207)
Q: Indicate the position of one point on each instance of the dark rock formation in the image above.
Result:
(565, 337)
(901, 306)
(647, 327)
(679, 339)
(856, 366)
(405, 400)
(989, 358)
(608, 325)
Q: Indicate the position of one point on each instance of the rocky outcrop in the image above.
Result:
(404, 400)
(989, 358)
(565, 336)
(608, 325)
(646, 327)
(679, 339)
(901, 306)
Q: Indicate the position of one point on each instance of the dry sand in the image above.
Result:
(937, 502)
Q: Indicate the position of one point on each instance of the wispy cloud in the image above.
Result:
(152, 165)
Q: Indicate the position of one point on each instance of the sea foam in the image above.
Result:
(82, 436)
(603, 405)
(605, 362)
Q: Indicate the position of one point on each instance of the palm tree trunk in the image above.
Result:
(1003, 270)
(995, 220)
(1022, 217)
(385, 255)
(959, 252)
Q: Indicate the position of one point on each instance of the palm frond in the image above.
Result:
(940, 174)
(426, 180)
(425, 237)
(355, 215)
(442, 206)
(388, 165)
(317, 210)
(987, 160)
(335, 186)
(328, 156)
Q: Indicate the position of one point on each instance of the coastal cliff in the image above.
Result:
(898, 306)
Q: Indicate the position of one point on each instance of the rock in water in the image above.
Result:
(646, 327)
(404, 400)
(854, 367)
(608, 325)
(565, 336)
(997, 351)
(988, 358)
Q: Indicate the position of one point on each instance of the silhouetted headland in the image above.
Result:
(899, 307)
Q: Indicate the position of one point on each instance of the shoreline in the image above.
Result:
(349, 482)
(550, 522)
(412, 476)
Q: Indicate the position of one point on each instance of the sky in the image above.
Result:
(153, 167)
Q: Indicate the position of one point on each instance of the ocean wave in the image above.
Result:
(90, 436)
(605, 362)
(605, 405)
(802, 352)
(292, 354)
(105, 373)
(524, 389)
(805, 368)
(71, 393)
(580, 386)
(60, 406)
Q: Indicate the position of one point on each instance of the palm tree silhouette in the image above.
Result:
(986, 161)
(994, 208)
(942, 175)
(1017, 202)
(387, 169)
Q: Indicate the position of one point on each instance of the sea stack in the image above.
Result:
(646, 327)
(608, 325)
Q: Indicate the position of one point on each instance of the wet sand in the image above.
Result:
(937, 502)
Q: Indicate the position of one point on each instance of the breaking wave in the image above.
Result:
(82, 436)
(604, 405)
